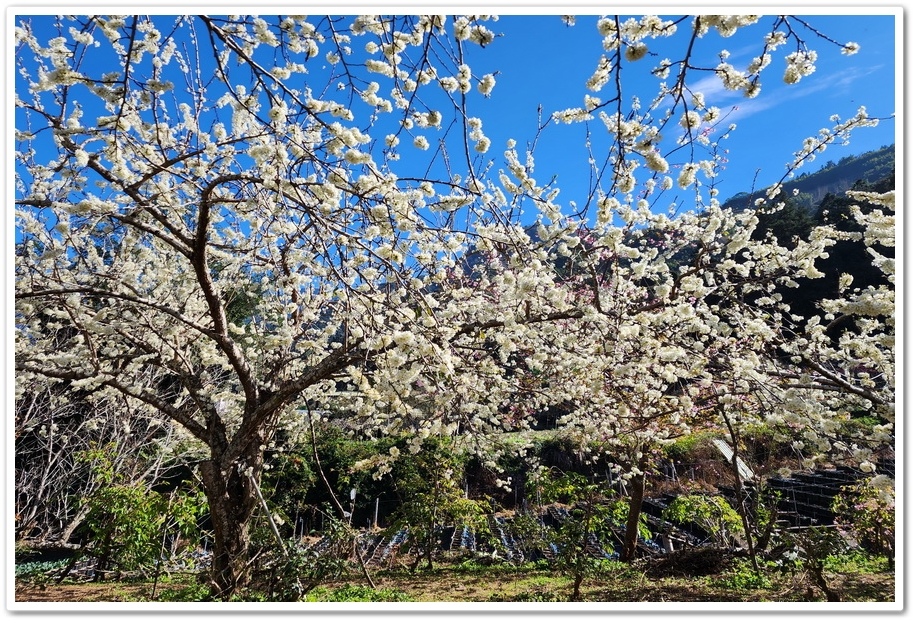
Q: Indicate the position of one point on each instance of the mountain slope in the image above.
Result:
(835, 178)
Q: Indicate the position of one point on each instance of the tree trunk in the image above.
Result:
(631, 536)
(577, 593)
(743, 511)
(71, 527)
(817, 571)
(233, 501)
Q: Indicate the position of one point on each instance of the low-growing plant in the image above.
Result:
(742, 577)
(538, 596)
(357, 593)
(250, 595)
(857, 562)
(485, 563)
(37, 570)
(193, 592)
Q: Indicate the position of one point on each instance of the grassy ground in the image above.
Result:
(472, 581)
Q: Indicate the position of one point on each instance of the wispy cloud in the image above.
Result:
(857, 73)
(717, 95)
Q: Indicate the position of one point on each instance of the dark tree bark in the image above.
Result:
(631, 536)
(233, 501)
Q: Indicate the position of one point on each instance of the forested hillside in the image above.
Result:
(850, 259)
(833, 177)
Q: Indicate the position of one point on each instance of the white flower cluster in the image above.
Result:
(798, 65)
(655, 162)
(850, 48)
(482, 143)
(726, 25)
(470, 28)
(811, 146)
(636, 51)
(601, 75)
(571, 115)
(631, 33)
(486, 84)
(735, 80)
(370, 96)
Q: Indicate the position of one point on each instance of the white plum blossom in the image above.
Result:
(636, 51)
(656, 163)
(798, 65)
(850, 48)
(486, 84)
(687, 175)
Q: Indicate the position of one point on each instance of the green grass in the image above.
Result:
(190, 593)
(742, 577)
(357, 593)
(856, 561)
(860, 576)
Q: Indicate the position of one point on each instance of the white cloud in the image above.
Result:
(717, 95)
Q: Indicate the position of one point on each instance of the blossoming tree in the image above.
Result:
(199, 202)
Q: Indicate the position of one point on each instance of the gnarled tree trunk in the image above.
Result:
(233, 501)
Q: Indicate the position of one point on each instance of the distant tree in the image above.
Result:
(429, 486)
(791, 220)
(578, 540)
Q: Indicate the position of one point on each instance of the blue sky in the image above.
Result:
(541, 60)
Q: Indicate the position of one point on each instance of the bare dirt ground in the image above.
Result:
(93, 592)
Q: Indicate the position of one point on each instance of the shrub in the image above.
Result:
(742, 577)
(711, 512)
(289, 573)
(684, 447)
(856, 562)
(579, 540)
(866, 510)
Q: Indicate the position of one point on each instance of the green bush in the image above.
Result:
(587, 527)
(867, 511)
(429, 486)
(538, 596)
(712, 512)
(856, 562)
(125, 520)
(619, 511)
(485, 563)
(687, 447)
